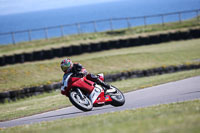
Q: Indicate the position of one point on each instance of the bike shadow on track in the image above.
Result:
(67, 114)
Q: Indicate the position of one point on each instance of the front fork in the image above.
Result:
(80, 93)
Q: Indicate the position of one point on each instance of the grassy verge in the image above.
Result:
(112, 61)
(52, 101)
(181, 117)
(86, 38)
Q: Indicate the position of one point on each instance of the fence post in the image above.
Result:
(128, 23)
(13, 37)
(46, 33)
(197, 15)
(95, 28)
(29, 35)
(78, 28)
(163, 22)
(111, 25)
(145, 24)
(179, 14)
(61, 31)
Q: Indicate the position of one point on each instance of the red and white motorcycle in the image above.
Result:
(84, 94)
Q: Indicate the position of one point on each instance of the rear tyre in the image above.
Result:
(117, 97)
(83, 104)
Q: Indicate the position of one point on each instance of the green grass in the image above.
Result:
(33, 105)
(52, 101)
(95, 37)
(17, 76)
(183, 117)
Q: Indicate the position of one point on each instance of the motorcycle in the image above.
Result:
(85, 94)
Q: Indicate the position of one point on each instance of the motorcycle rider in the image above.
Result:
(77, 70)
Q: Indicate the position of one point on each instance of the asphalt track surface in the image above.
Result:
(183, 90)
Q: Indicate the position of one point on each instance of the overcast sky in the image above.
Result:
(21, 6)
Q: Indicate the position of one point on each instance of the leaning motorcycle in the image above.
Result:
(85, 94)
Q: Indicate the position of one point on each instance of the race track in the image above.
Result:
(183, 90)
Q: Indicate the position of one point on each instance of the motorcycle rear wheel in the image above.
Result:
(83, 104)
(117, 97)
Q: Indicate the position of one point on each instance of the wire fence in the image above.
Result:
(95, 26)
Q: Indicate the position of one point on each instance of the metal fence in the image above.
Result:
(97, 26)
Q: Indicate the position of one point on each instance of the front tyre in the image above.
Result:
(83, 104)
(117, 97)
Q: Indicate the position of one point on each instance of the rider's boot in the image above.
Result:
(107, 88)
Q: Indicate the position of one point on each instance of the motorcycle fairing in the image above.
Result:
(95, 93)
(98, 97)
(82, 83)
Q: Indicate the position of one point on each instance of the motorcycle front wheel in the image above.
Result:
(82, 103)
